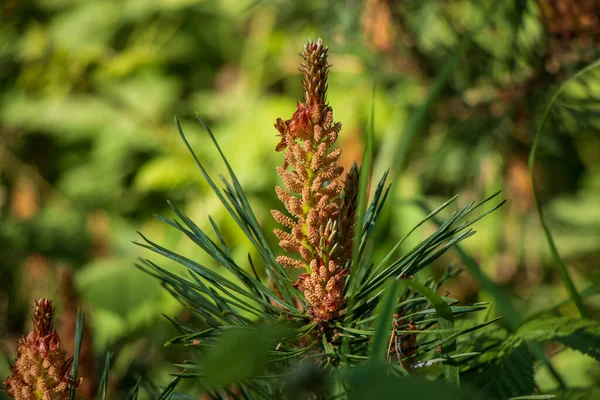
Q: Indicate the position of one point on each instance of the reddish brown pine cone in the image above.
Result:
(41, 370)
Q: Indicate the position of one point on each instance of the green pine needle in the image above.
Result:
(79, 325)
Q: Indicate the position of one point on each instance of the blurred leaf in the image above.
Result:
(147, 94)
(578, 393)
(95, 22)
(376, 382)
(112, 285)
(70, 119)
(123, 298)
(163, 173)
(241, 353)
(108, 326)
(579, 334)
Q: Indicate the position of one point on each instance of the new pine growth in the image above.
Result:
(321, 209)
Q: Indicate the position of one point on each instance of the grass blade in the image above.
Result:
(562, 268)
(79, 323)
(103, 389)
(387, 308)
(133, 394)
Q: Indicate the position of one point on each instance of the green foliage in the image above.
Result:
(87, 92)
(241, 354)
(509, 374)
(577, 394)
(231, 325)
(562, 268)
(578, 334)
(376, 382)
(446, 326)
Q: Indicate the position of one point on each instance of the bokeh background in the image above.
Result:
(89, 150)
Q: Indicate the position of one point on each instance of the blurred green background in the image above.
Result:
(89, 150)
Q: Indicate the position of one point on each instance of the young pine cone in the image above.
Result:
(41, 370)
(321, 220)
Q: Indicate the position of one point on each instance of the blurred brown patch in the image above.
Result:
(24, 199)
(507, 268)
(36, 275)
(575, 29)
(98, 224)
(568, 18)
(377, 24)
(227, 78)
(463, 288)
(518, 184)
(352, 149)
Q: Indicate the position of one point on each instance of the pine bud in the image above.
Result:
(41, 370)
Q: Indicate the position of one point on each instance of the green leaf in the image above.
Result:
(510, 313)
(509, 374)
(240, 353)
(398, 244)
(579, 334)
